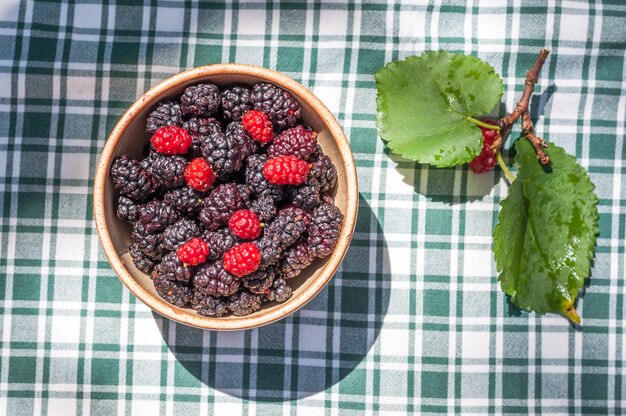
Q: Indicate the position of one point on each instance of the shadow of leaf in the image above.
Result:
(454, 185)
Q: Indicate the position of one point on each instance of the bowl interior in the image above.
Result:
(132, 141)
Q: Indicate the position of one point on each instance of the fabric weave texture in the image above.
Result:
(413, 322)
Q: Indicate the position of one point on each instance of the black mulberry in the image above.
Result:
(213, 280)
(279, 292)
(200, 100)
(256, 180)
(324, 229)
(185, 200)
(140, 260)
(281, 108)
(166, 113)
(131, 179)
(264, 207)
(222, 153)
(219, 242)
(235, 102)
(179, 233)
(260, 281)
(295, 259)
(207, 305)
(171, 268)
(176, 293)
(288, 226)
(244, 142)
(220, 205)
(168, 171)
(157, 215)
(127, 209)
(244, 303)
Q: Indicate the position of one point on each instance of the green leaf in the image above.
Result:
(424, 104)
(546, 232)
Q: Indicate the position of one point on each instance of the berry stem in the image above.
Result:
(570, 312)
(483, 124)
(522, 105)
(528, 128)
(509, 175)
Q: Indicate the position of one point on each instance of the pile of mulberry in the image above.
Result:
(232, 198)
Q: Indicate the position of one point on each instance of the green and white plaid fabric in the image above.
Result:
(413, 322)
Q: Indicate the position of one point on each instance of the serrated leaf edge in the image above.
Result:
(590, 254)
(425, 55)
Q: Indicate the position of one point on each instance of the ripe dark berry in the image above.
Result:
(486, 160)
(178, 233)
(306, 195)
(140, 259)
(194, 251)
(213, 280)
(324, 229)
(131, 179)
(244, 142)
(245, 224)
(264, 207)
(295, 259)
(167, 170)
(157, 215)
(207, 305)
(244, 303)
(202, 126)
(288, 226)
(282, 109)
(221, 203)
(171, 140)
(242, 259)
(166, 113)
(127, 209)
(199, 129)
(171, 268)
(235, 102)
(323, 171)
(199, 175)
(270, 250)
(257, 182)
(185, 200)
(286, 170)
(222, 153)
(258, 125)
(219, 242)
(297, 141)
(260, 281)
(148, 242)
(174, 292)
(200, 100)
(279, 292)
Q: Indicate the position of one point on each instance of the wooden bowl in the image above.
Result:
(129, 137)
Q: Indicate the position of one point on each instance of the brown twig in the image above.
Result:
(528, 128)
(522, 105)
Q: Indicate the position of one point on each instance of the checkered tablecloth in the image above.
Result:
(413, 322)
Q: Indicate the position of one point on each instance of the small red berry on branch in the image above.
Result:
(486, 160)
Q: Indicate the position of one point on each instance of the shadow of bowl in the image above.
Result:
(309, 351)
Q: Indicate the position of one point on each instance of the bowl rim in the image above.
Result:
(334, 260)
